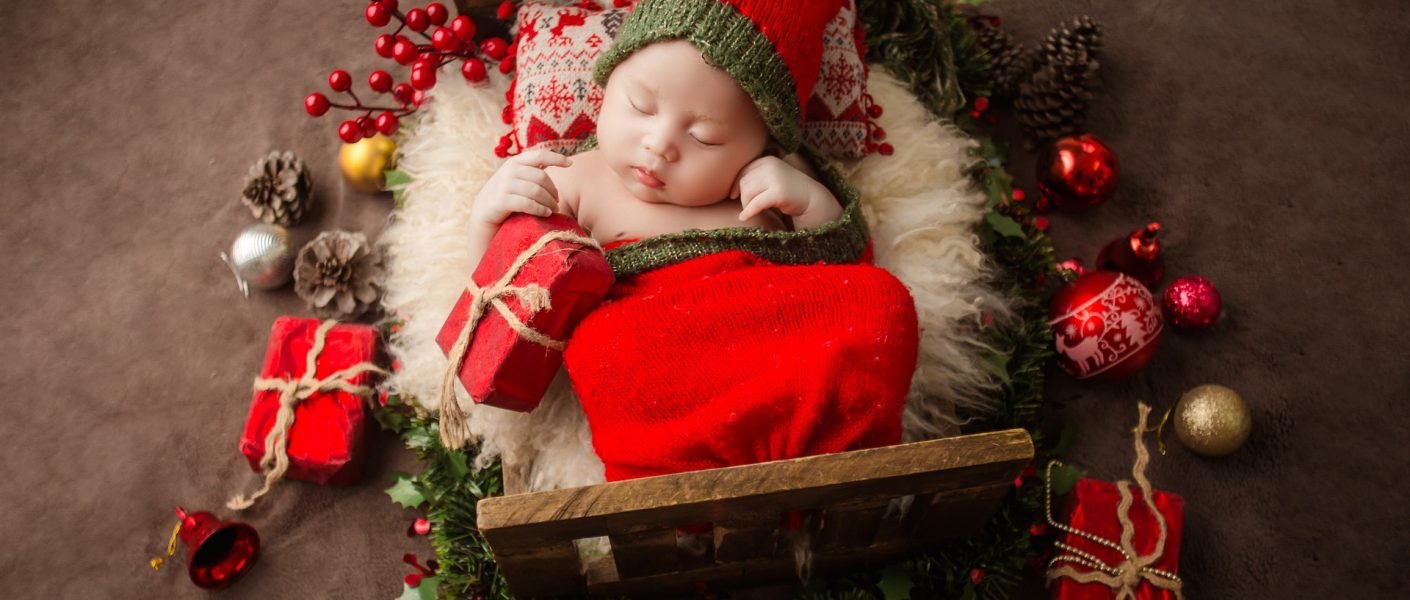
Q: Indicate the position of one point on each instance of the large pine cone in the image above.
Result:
(1054, 102)
(1065, 42)
(1009, 62)
(278, 189)
(339, 274)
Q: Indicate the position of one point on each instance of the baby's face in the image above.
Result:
(676, 130)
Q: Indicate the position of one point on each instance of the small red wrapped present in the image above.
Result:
(308, 403)
(539, 277)
(1095, 561)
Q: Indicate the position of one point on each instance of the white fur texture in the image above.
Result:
(920, 205)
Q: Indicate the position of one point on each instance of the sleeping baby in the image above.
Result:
(746, 324)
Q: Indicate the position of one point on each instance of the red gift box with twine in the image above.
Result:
(1120, 540)
(308, 406)
(504, 338)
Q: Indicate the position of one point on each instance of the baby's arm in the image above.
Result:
(788, 184)
(519, 185)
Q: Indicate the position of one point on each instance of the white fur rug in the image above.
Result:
(920, 205)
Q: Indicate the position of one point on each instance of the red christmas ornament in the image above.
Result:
(1137, 255)
(1192, 302)
(218, 553)
(1105, 324)
(1077, 172)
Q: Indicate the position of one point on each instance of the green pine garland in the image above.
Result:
(988, 565)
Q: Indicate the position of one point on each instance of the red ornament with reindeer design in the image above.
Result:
(1105, 324)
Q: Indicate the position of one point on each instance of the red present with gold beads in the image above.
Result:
(1119, 540)
(325, 438)
(538, 278)
(1092, 509)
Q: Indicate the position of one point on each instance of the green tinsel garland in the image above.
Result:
(929, 45)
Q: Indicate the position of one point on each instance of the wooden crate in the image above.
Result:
(956, 484)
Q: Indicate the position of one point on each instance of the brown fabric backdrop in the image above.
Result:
(1269, 139)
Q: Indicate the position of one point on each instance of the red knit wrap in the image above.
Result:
(730, 359)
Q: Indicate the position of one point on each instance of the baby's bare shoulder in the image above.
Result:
(571, 181)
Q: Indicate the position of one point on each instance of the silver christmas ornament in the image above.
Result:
(261, 256)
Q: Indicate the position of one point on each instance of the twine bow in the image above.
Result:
(292, 391)
(1135, 568)
(534, 298)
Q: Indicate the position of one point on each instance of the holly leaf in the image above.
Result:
(418, 439)
(1004, 225)
(425, 591)
(405, 492)
(1064, 477)
(997, 364)
(396, 179)
(459, 465)
(895, 583)
(1066, 439)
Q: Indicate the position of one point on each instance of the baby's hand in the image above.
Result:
(520, 185)
(769, 182)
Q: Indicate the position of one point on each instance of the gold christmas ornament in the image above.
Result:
(363, 162)
(1212, 420)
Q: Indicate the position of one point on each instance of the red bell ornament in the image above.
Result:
(1077, 172)
(218, 553)
(1137, 255)
(1105, 324)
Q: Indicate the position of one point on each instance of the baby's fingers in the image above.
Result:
(527, 205)
(760, 203)
(541, 158)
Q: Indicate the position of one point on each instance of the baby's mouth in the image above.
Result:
(648, 178)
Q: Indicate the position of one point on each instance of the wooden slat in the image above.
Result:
(544, 571)
(849, 525)
(746, 538)
(777, 569)
(954, 513)
(644, 553)
(526, 520)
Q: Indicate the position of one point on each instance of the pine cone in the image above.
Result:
(278, 189)
(1054, 101)
(1009, 63)
(1066, 41)
(339, 274)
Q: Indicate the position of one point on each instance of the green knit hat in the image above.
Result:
(773, 48)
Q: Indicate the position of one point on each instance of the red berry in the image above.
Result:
(423, 79)
(390, 4)
(418, 97)
(505, 11)
(444, 39)
(494, 47)
(412, 580)
(437, 13)
(402, 92)
(421, 526)
(378, 15)
(981, 104)
(473, 69)
(349, 132)
(1041, 223)
(976, 575)
(506, 65)
(367, 126)
(384, 45)
(316, 104)
(404, 51)
(463, 27)
(417, 20)
(387, 123)
(339, 80)
(1018, 195)
(380, 81)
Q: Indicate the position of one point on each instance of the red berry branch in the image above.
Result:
(449, 40)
